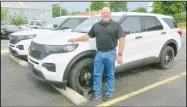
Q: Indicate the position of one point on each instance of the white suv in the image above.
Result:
(150, 38)
(20, 41)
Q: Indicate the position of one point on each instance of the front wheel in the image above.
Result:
(167, 58)
(81, 76)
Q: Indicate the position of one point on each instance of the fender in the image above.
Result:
(166, 44)
(90, 54)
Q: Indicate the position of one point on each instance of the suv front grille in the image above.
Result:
(14, 40)
(37, 51)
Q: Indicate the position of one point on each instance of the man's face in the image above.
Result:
(106, 15)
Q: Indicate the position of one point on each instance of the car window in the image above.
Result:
(71, 23)
(132, 24)
(87, 24)
(151, 23)
(31, 23)
(170, 22)
(49, 24)
(82, 20)
(37, 23)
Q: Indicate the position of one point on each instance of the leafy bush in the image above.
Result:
(18, 19)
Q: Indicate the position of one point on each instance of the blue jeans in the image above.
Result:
(104, 60)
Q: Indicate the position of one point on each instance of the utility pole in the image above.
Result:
(89, 8)
(60, 8)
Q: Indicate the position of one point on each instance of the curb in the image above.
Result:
(72, 95)
(19, 61)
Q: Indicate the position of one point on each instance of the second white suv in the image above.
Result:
(150, 38)
(20, 41)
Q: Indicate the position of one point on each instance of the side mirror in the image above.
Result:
(127, 32)
(55, 25)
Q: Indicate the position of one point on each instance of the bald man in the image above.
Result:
(107, 32)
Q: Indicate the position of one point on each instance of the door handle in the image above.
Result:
(163, 32)
(138, 37)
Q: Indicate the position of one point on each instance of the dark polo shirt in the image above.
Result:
(106, 34)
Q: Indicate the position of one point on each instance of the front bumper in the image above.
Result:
(39, 75)
(18, 52)
(15, 53)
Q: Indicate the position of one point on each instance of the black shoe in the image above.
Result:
(95, 96)
(106, 97)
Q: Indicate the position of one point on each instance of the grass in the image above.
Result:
(181, 25)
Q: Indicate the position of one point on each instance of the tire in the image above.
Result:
(166, 55)
(82, 71)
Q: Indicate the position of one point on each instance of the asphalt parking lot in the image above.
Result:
(18, 88)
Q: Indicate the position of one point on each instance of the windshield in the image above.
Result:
(86, 25)
(49, 24)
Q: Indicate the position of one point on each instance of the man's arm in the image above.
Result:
(121, 44)
(83, 38)
(121, 36)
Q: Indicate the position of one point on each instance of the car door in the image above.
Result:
(133, 42)
(153, 38)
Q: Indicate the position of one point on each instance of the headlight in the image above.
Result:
(60, 48)
(26, 37)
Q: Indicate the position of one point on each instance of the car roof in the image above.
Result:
(138, 13)
(148, 14)
(78, 16)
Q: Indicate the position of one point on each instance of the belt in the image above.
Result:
(105, 50)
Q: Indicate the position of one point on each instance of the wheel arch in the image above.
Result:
(173, 44)
(85, 54)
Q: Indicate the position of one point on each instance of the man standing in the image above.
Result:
(107, 32)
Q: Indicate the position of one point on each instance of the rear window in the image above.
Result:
(170, 22)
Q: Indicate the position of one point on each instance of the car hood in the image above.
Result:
(31, 32)
(56, 38)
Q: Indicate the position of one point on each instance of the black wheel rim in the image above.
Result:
(85, 78)
(168, 58)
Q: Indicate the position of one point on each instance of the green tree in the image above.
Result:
(73, 13)
(87, 9)
(140, 9)
(172, 8)
(56, 11)
(97, 5)
(18, 19)
(118, 6)
(4, 13)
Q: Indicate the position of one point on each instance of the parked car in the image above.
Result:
(25, 27)
(20, 41)
(150, 39)
(36, 23)
(3, 22)
(6, 30)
